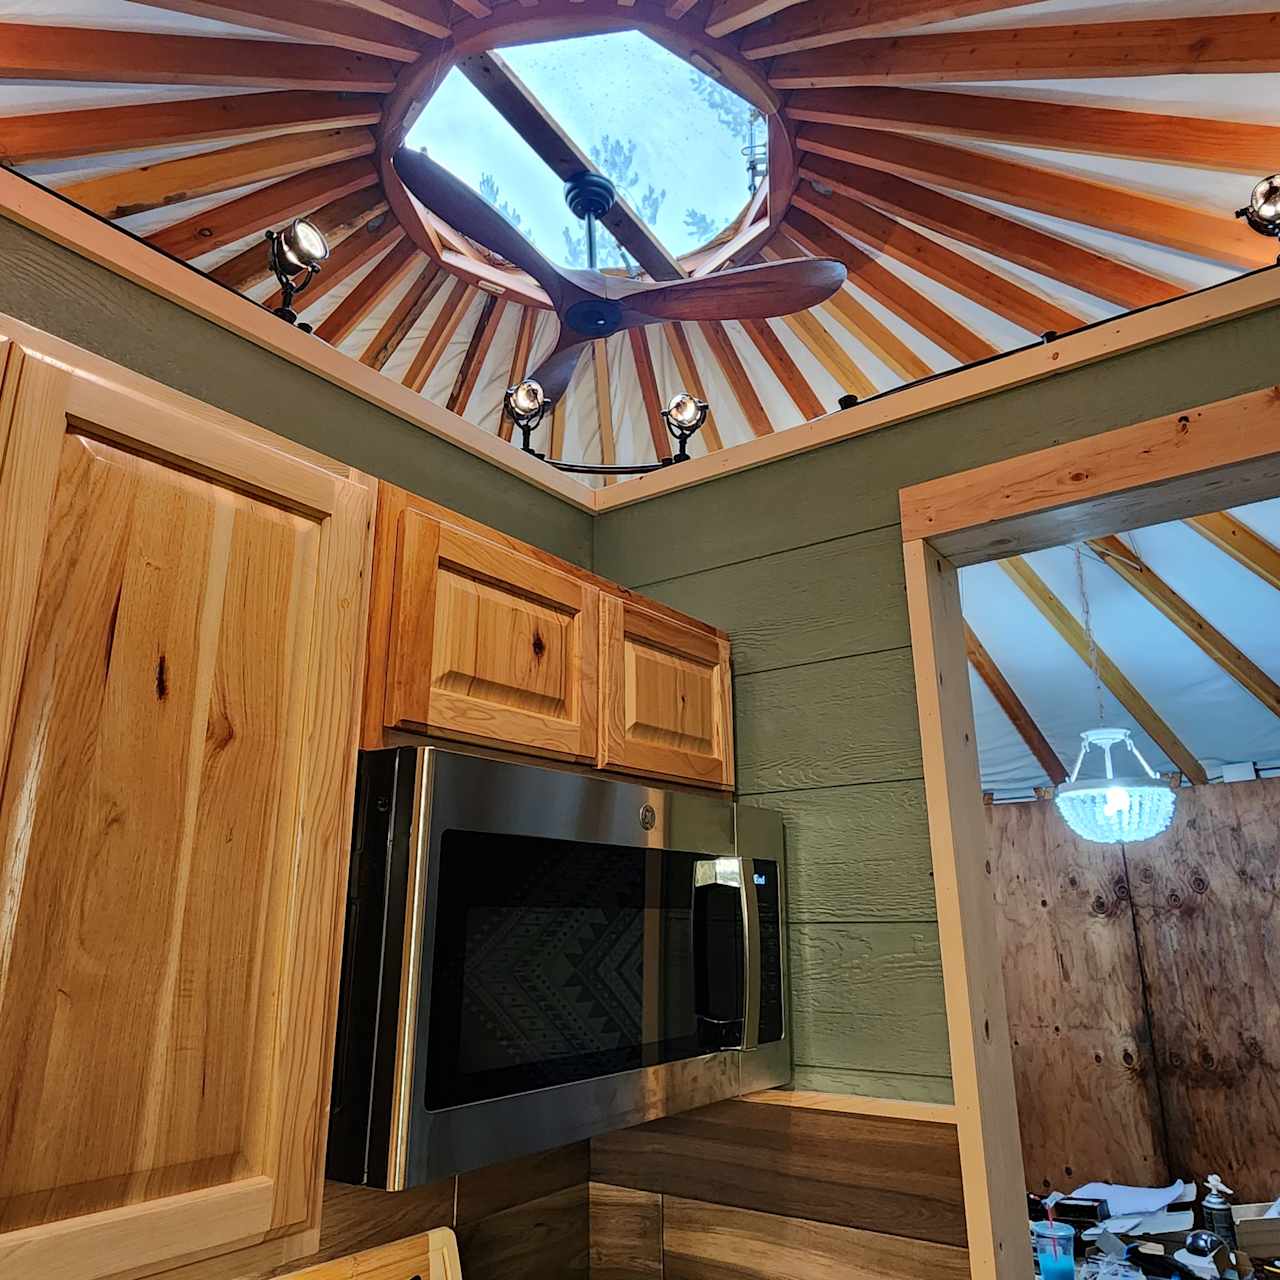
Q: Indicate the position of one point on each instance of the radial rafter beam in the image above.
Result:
(224, 224)
(604, 405)
(1175, 46)
(1241, 543)
(1122, 689)
(1055, 126)
(650, 396)
(1189, 620)
(454, 308)
(58, 135)
(519, 365)
(408, 311)
(828, 22)
(428, 16)
(1051, 255)
(318, 21)
(477, 353)
(393, 268)
(691, 381)
(890, 290)
(30, 52)
(517, 104)
(861, 323)
(778, 358)
(726, 356)
(1156, 219)
(732, 15)
(1013, 707)
(971, 279)
(829, 353)
(116, 195)
(335, 220)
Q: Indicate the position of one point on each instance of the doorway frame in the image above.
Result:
(1183, 464)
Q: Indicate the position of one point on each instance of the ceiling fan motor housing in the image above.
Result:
(590, 195)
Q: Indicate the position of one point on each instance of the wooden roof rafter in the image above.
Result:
(403, 258)
(406, 313)
(476, 354)
(1243, 544)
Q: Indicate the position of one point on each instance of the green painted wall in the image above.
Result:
(62, 293)
(801, 562)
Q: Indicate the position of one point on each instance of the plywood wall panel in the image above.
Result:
(1207, 901)
(828, 724)
(1085, 1073)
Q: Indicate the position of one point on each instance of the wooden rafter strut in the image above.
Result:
(1013, 707)
(1242, 544)
(1065, 624)
(1193, 624)
(518, 105)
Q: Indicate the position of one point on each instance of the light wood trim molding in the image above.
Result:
(977, 1021)
(43, 212)
(853, 1105)
(1070, 491)
(141, 1235)
(1240, 297)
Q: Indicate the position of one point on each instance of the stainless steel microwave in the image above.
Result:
(533, 956)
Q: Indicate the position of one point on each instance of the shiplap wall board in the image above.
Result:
(800, 560)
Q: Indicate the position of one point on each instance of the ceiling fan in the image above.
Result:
(592, 305)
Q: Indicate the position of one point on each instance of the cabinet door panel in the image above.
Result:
(666, 707)
(166, 842)
(490, 645)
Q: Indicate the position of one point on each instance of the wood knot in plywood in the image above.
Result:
(539, 645)
(162, 679)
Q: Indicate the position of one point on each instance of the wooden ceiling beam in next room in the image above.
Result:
(224, 224)
(135, 57)
(116, 195)
(1055, 258)
(1228, 145)
(890, 290)
(335, 221)
(317, 21)
(1241, 543)
(830, 22)
(1121, 688)
(1176, 46)
(1156, 219)
(1119, 556)
(58, 135)
(1013, 707)
(971, 279)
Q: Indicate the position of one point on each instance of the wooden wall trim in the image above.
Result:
(1235, 298)
(62, 222)
(1162, 469)
(852, 1105)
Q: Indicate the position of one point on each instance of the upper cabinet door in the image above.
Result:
(180, 647)
(666, 697)
(489, 645)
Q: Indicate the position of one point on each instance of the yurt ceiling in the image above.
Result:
(990, 171)
(1181, 622)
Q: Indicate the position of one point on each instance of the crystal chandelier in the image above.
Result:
(1128, 806)
(1134, 804)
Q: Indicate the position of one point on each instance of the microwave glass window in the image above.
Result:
(558, 961)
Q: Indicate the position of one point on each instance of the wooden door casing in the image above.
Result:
(178, 668)
(666, 697)
(490, 646)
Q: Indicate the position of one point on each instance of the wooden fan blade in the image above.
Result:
(745, 293)
(473, 216)
(556, 372)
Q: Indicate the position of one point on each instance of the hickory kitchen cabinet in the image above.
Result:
(477, 637)
(180, 643)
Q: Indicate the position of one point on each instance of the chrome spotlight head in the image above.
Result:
(684, 415)
(295, 255)
(526, 398)
(1263, 210)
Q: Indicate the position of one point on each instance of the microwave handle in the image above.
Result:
(751, 957)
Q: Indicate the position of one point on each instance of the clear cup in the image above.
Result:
(1055, 1250)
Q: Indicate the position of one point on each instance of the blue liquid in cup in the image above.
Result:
(1059, 1267)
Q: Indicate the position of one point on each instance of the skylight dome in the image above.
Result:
(685, 152)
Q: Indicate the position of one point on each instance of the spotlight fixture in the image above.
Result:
(684, 417)
(526, 404)
(295, 255)
(1262, 212)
